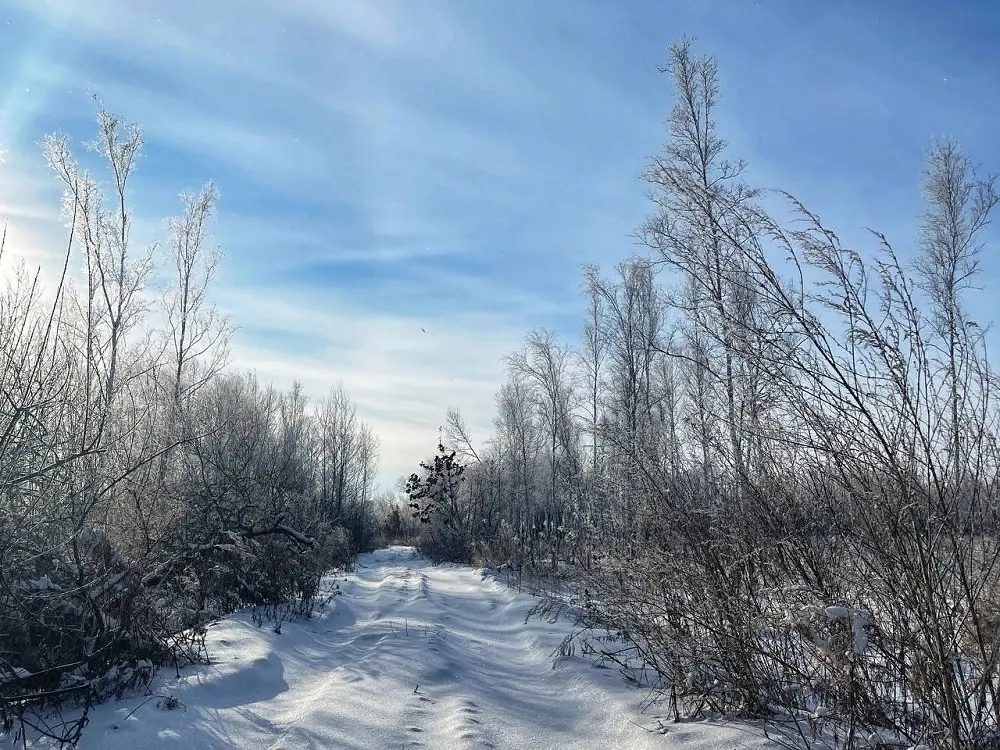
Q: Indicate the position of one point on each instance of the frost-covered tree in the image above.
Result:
(143, 490)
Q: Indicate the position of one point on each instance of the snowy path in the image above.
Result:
(411, 655)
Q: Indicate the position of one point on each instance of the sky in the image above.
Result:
(408, 187)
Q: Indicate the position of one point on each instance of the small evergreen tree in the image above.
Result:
(436, 500)
(394, 524)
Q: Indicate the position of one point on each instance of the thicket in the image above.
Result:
(770, 465)
(145, 486)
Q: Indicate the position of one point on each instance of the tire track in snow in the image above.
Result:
(436, 715)
(410, 656)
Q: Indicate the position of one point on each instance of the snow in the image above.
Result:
(410, 655)
(859, 624)
(838, 612)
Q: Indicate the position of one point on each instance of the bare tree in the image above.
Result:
(592, 356)
(958, 207)
(545, 363)
(696, 228)
(197, 329)
(519, 442)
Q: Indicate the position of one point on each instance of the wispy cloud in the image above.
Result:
(390, 167)
(402, 371)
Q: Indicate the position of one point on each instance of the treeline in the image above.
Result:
(146, 487)
(770, 463)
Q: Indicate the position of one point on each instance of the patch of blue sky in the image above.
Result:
(393, 166)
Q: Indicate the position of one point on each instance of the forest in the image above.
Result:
(767, 467)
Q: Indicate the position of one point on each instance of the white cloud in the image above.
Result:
(383, 135)
(402, 373)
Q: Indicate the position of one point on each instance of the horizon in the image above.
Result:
(407, 189)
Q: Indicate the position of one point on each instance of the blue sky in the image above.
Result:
(408, 186)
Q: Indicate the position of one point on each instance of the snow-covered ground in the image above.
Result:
(411, 655)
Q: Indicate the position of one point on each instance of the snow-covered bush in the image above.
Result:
(142, 490)
(773, 464)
